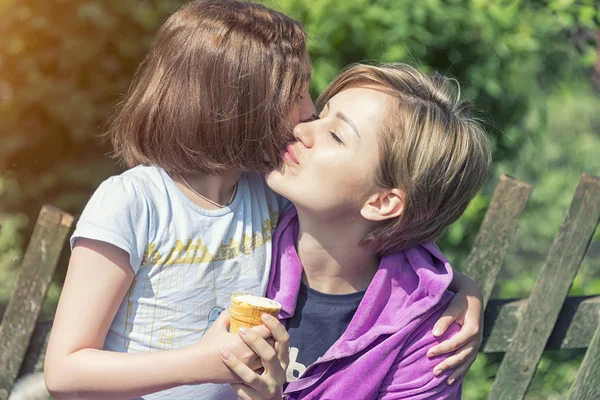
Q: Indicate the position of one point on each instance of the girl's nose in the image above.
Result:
(307, 108)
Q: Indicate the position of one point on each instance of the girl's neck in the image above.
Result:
(332, 259)
(217, 188)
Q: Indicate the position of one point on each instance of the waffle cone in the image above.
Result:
(245, 310)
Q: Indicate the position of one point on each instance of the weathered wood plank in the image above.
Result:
(22, 311)
(568, 249)
(496, 233)
(36, 351)
(574, 328)
(586, 385)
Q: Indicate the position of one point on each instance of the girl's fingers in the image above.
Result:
(462, 338)
(452, 313)
(462, 369)
(460, 359)
(222, 322)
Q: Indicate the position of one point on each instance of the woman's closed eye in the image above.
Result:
(336, 137)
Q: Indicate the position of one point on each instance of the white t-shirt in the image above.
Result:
(187, 260)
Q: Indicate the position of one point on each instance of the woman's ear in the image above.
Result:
(386, 204)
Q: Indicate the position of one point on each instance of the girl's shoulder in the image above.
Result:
(145, 178)
(143, 183)
(136, 192)
(257, 185)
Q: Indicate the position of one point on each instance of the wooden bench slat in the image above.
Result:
(568, 249)
(573, 330)
(496, 233)
(587, 383)
(25, 304)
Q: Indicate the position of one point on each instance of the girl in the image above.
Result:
(392, 161)
(159, 249)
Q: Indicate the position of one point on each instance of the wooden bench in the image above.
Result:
(522, 329)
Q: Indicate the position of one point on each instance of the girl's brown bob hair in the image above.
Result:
(215, 91)
(431, 148)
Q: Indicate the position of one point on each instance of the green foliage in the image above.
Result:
(567, 146)
(62, 65)
(11, 242)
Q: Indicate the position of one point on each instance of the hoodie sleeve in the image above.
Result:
(411, 375)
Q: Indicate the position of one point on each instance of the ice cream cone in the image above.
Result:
(245, 310)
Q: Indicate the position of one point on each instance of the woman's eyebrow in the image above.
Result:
(348, 121)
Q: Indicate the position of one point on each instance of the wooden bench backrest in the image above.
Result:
(539, 315)
(23, 309)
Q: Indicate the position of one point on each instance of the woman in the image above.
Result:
(393, 159)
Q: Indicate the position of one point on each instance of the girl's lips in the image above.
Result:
(290, 155)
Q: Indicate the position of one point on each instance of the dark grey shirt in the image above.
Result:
(319, 320)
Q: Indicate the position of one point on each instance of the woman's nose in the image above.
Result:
(303, 133)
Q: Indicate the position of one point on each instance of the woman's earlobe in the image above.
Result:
(384, 205)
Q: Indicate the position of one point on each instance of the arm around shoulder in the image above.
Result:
(412, 375)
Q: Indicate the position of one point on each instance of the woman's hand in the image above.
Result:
(466, 309)
(218, 339)
(267, 385)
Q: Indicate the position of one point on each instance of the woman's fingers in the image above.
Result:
(245, 392)
(247, 375)
(254, 387)
(262, 349)
(281, 336)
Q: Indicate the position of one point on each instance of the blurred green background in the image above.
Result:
(531, 66)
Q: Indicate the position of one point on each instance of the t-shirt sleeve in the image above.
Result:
(411, 376)
(117, 213)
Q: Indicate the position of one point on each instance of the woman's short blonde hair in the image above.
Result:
(431, 148)
(215, 91)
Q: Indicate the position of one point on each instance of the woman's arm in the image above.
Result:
(98, 278)
(466, 309)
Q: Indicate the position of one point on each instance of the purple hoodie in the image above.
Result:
(382, 353)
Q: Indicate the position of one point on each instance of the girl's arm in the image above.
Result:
(98, 278)
(411, 375)
(466, 309)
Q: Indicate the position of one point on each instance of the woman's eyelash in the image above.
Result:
(335, 137)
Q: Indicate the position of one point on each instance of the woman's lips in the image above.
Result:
(290, 155)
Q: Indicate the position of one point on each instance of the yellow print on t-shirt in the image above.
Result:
(185, 252)
(194, 251)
